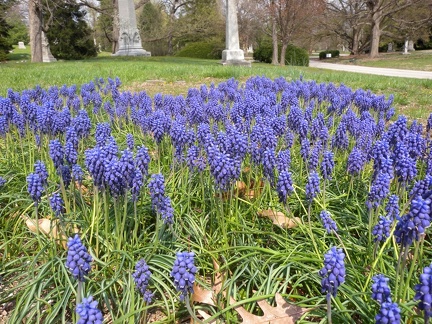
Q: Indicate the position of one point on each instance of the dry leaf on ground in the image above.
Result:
(280, 219)
(46, 226)
(282, 313)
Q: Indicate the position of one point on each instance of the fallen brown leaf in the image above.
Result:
(282, 313)
(47, 227)
(280, 219)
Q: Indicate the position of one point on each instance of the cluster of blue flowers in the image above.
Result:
(215, 130)
(183, 273)
(78, 259)
(160, 202)
(389, 311)
(333, 272)
(141, 277)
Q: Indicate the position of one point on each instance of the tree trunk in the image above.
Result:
(275, 57)
(355, 41)
(116, 27)
(376, 34)
(35, 22)
(283, 52)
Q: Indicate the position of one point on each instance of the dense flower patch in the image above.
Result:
(177, 181)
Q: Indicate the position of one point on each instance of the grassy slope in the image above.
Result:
(176, 75)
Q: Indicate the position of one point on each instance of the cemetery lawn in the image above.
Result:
(174, 75)
(419, 60)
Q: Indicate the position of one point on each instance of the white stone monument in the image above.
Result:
(21, 45)
(405, 49)
(46, 52)
(232, 55)
(411, 46)
(129, 37)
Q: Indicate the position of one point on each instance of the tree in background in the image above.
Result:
(349, 20)
(19, 30)
(5, 44)
(69, 35)
(292, 17)
(381, 13)
(152, 24)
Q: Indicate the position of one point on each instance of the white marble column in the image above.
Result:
(232, 55)
(129, 37)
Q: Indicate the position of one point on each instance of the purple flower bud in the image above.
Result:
(313, 186)
(389, 313)
(56, 203)
(333, 272)
(424, 292)
(141, 277)
(78, 260)
(380, 289)
(328, 222)
(88, 312)
(183, 273)
(35, 187)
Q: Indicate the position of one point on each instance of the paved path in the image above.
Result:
(371, 70)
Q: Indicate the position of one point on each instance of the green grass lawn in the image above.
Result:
(419, 60)
(175, 75)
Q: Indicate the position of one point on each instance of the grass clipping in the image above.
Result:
(282, 313)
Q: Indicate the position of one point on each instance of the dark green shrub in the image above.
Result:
(293, 56)
(323, 54)
(203, 50)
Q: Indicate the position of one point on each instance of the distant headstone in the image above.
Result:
(129, 37)
(46, 52)
(411, 46)
(390, 47)
(21, 45)
(328, 55)
(405, 49)
(232, 55)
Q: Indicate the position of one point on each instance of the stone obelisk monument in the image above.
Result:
(129, 38)
(232, 55)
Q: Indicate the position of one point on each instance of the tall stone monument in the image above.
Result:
(129, 37)
(232, 55)
(46, 52)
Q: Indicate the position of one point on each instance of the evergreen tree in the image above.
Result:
(5, 45)
(69, 35)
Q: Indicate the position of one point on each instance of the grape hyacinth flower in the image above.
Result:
(2, 181)
(313, 186)
(137, 184)
(356, 161)
(284, 186)
(327, 165)
(142, 160)
(380, 289)
(381, 231)
(88, 312)
(56, 203)
(35, 187)
(328, 222)
(392, 207)
(56, 153)
(141, 277)
(157, 190)
(389, 313)
(333, 275)
(130, 141)
(424, 293)
(77, 173)
(413, 225)
(183, 273)
(78, 260)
